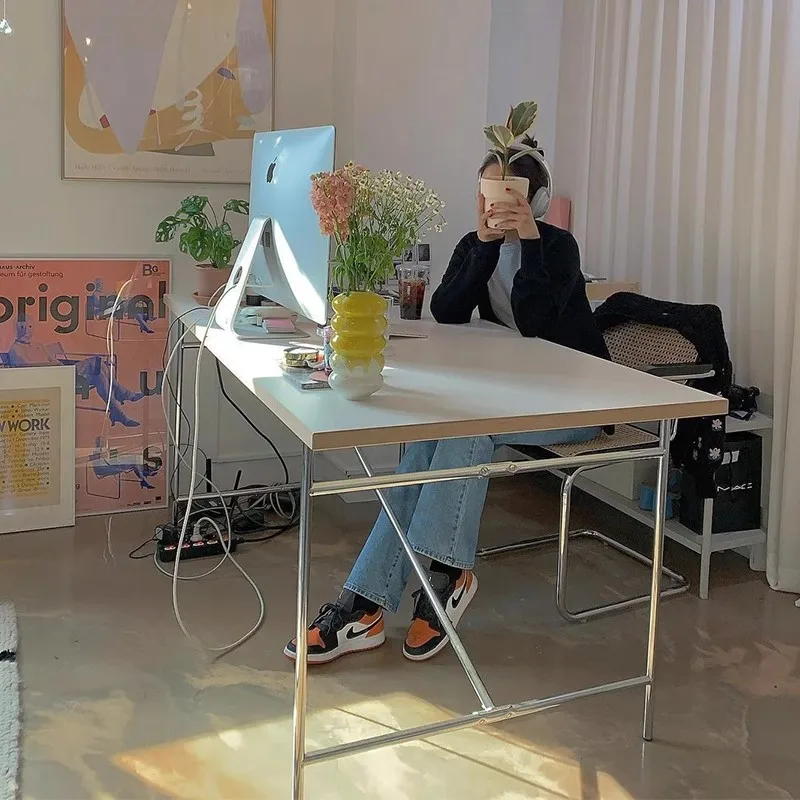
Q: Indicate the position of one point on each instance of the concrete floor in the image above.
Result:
(117, 704)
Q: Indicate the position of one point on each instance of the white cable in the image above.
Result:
(263, 499)
(225, 544)
(275, 501)
(110, 345)
(190, 499)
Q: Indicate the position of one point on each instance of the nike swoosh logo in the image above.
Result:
(457, 600)
(351, 634)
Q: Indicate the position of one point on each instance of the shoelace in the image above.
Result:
(422, 605)
(331, 617)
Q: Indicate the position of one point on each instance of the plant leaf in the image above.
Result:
(504, 136)
(221, 247)
(197, 221)
(165, 232)
(489, 133)
(196, 242)
(523, 117)
(194, 204)
(237, 206)
(510, 117)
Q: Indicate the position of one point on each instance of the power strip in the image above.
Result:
(198, 545)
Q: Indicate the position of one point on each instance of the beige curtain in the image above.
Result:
(678, 139)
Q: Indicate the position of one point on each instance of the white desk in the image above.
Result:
(462, 381)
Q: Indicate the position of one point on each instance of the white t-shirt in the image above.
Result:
(502, 281)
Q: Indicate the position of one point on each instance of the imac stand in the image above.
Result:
(231, 311)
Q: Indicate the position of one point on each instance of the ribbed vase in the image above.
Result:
(359, 339)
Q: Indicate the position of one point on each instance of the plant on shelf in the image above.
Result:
(206, 237)
(506, 147)
(372, 217)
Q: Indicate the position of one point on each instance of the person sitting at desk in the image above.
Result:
(523, 274)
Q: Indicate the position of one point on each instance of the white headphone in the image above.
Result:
(540, 202)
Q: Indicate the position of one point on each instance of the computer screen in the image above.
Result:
(285, 256)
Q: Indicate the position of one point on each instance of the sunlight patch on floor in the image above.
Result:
(255, 762)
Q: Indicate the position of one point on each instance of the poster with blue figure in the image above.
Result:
(107, 318)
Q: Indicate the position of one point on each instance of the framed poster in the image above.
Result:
(57, 311)
(37, 448)
(166, 90)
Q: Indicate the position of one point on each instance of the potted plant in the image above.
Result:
(372, 218)
(207, 238)
(503, 141)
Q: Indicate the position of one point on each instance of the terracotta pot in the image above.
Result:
(210, 279)
(494, 191)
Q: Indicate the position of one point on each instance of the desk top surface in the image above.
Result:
(466, 380)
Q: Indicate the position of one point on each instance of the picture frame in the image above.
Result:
(37, 449)
(165, 90)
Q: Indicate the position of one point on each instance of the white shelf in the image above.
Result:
(674, 530)
(758, 422)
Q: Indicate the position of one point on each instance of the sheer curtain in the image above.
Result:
(678, 138)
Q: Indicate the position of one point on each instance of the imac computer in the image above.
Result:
(284, 256)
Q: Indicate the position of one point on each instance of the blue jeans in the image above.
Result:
(441, 520)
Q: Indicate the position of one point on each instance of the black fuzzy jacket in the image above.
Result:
(700, 443)
(548, 297)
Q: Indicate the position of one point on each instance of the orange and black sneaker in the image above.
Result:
(426, 637)
(339, 630)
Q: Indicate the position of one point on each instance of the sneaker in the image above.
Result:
(425, 637)
(338, 631)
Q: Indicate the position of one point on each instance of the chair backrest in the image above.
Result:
(639, 345)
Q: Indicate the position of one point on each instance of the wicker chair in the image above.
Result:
(664, 352)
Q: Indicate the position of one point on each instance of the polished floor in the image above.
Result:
(118, 704)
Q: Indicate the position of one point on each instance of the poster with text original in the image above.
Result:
(56, 312)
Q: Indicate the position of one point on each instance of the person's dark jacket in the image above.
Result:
(548, 298)
(699, 444)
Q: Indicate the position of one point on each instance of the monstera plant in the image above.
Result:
(205, 236)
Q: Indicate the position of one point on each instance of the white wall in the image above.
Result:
(524, 62)
(420, 98)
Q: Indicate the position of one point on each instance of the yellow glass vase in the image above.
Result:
(359, 339)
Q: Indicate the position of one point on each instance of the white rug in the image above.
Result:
(9, 704)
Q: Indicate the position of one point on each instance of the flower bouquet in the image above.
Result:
(372, 218)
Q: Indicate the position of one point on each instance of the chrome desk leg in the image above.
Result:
(301, 662)
(664, 433)
(705, 547)
(466, 662)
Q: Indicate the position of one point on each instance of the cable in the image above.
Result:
(225, 543)
(135, 550)
(184, 527)
(272, 531)
(172, 393)
(110, 353)
(252, 425)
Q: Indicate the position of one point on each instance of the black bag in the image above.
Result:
(737, 506)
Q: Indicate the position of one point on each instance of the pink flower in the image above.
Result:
(332, 196)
